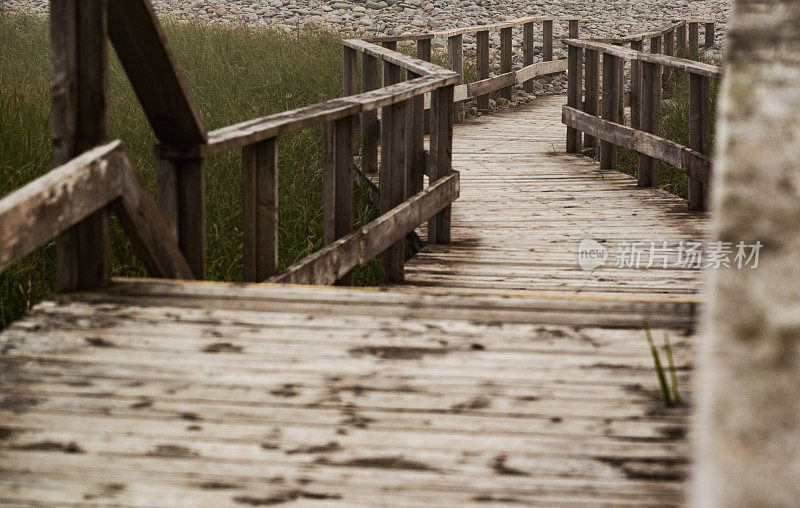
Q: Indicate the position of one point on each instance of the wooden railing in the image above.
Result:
(603, 118)
(72, 202)
(507, 78)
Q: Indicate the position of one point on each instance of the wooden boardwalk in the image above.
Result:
(525, 206)
(500, 374)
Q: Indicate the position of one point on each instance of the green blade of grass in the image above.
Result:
(662, 379)
(676, 397)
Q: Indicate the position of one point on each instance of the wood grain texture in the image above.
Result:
(525, 207)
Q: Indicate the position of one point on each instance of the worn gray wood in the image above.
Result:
(260, 210)
(591, 91)
(649, 118)
(547, 40)
(694, 37)
(527, 53)
(416, 143)
(635, 85)
(441, 148)
(612, 68)
(574, 25)
(369, 119)
(574, 94)
(699, 136)
(79, 84)
(709, 34)
(455, 62)
(338, 185)
(350, 82)
(338, 258)
(695, 164)
(680, 39)
(506, 53)
(483, 66)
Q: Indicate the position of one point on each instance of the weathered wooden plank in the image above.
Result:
(643, 142)
(259, 129)
(540, 69)
(260, 210)
(333, 261)
(575, 93)
(635, 93)
(506, 49)
(483, 67)
(79, 84)
(612, 68)
(144, 52)
(591, 95)
(547, 40)
(699, 137)
(709, 34)
(694, 37)
(369, 119)
(455, 62)
(527, 53)
(649, 118)
(441, 149)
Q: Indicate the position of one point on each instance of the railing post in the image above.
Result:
(709, 34)
(337, 194)
(694, 37)
(455, 60)
(441, 157)
(260, 210)
(635, 93)
(574, 63)
(369, 119)
(591, 98)
(698, 136)
(680, 36)
(350, 86)
(416, 141)
(612, 68)
(424, 53)
(79, 78)
(547, 40)
(527, 53)
(649, 111)
(483, 65)
(573, 28)
(669, 49)
(506, 42)
(393, 165)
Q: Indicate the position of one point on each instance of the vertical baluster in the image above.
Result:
(574, 28)
(699, 135)
(369, 119)
(612, 68)
(506, 42)
(527, 53)
(416, 144)
(424, 53)
(337, 195)
(79, 85)
(669, 49)
(455, 60)
(574, 63)
(649, 111)
(441, 156)
(547, 40)
(393, 177)
(260, 210)
(635, 94)
(694, 37)
(680, 39)
(483, 65)
(591, 98)
(709, 34)
(350, 86)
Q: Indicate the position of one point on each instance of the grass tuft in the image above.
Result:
(670, 395)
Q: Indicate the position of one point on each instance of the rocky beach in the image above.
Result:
(364, 18)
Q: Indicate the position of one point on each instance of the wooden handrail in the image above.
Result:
(468, 29)
(102, 177)
(650, 73)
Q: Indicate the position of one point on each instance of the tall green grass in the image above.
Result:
(675, 127)
(234, 73)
